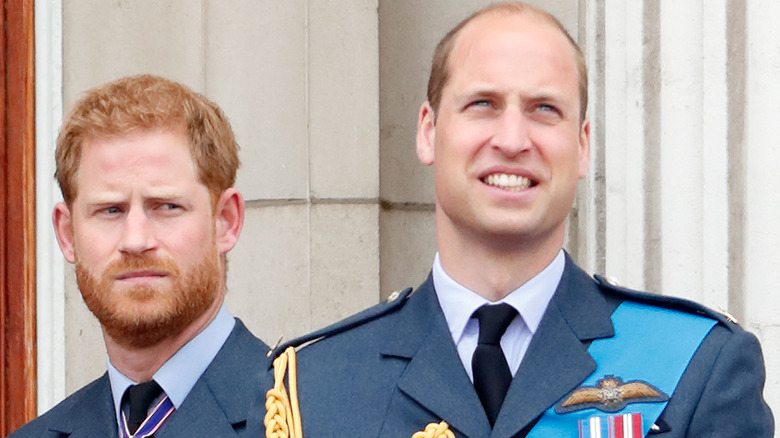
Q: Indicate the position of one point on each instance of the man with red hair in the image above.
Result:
(146, 167)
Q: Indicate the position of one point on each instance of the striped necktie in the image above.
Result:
(141, 421)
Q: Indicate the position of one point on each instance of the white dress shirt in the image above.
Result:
(530, 300)
(178, 374)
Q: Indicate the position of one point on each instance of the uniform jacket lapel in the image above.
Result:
(557, 359)
(223, 401)
(91, 413)
(434, 377)
(227, 400)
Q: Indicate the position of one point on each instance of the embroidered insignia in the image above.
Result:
(610, 394)
(435, 430)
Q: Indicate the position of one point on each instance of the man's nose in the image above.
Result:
(138, 235)
(512, 135)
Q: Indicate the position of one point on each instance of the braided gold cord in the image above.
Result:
(435, 430)
(282, 416)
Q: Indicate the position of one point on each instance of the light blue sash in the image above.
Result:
(651, 344)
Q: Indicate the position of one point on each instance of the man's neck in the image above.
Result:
(140, 364)
(493, 271)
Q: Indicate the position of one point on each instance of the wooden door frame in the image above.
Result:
(17, 215)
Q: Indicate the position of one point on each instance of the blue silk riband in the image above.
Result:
(651, 344)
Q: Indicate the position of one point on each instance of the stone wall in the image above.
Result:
(323, 95)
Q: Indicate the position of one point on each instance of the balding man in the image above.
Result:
(508, 337)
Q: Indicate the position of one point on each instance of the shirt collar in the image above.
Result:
(178, 374)
(530, 300)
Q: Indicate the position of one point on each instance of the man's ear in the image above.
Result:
(63, 229)
(426, 134)
(229, 215)
(584, 148)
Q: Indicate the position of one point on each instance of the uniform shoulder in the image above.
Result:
(33, 429)
(243, 339)
(395, 301)
(619, 293)
(63, 412)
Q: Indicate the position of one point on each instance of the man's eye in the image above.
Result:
(113, 210)
(546, 113)
(170, 206)
(481, 103)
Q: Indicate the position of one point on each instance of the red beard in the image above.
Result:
(143, 316)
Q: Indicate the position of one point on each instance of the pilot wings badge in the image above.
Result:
(610, 394)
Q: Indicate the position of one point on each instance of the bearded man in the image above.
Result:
(147, 167)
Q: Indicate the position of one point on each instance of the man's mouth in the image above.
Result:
(140, 274)
(508, 181)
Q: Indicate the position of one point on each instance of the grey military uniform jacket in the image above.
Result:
(392, 369)
(224, 402)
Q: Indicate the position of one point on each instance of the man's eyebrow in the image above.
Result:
(545, 97)
(105, 198)
(480, 90)
(486, 90)
(116, 198)
(163, 193)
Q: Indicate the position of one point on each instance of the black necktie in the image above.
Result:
(139, 397)
(491, 372)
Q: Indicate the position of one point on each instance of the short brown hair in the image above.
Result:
(148, 102)
(440, 66)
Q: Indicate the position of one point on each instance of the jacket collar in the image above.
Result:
(216, 395)
(219, 394)
(556, 362)
(434, 376)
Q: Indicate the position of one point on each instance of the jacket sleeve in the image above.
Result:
(731, 402)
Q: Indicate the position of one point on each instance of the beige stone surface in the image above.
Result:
(104, 40)
(85, 358)
(407, 37)
(344, 256)
(268, 272)
(407, 245)
(256, 70)
(343, 98)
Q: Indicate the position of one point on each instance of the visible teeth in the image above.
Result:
(508, 182)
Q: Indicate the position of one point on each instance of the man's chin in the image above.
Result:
(139, 294)
(140, 328)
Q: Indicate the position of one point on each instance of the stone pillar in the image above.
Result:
(684, 180)
(760, 235)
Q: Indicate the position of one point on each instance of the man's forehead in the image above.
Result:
(517, 42)
(498, 24)
(158, 157)
(125, 149)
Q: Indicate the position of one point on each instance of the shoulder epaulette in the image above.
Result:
(674, 303)
(393, 302)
